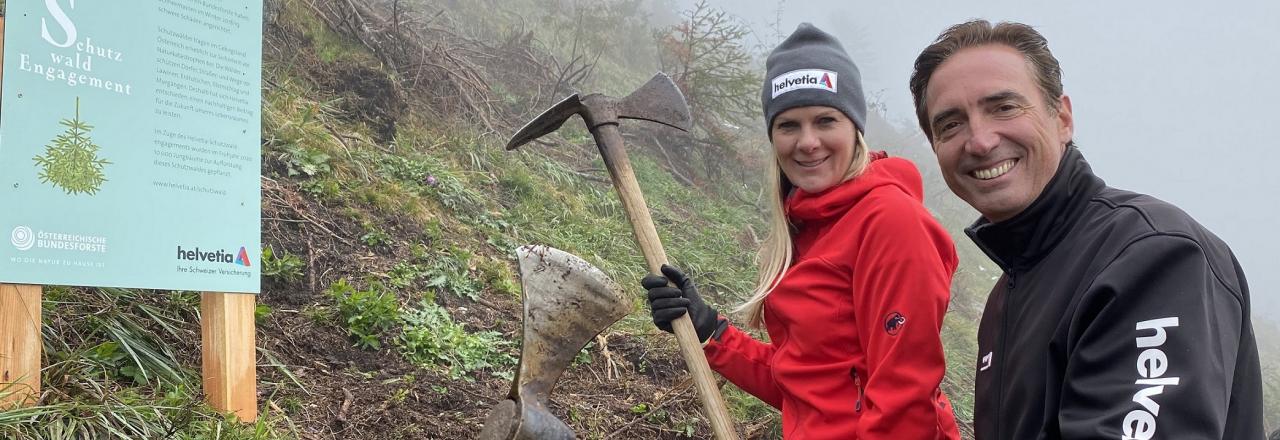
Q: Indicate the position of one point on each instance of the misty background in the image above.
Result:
(1173, 100)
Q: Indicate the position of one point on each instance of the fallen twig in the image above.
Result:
(687, 385)
(346, 405)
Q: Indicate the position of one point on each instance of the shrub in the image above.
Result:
(451, 272)
(304, 161)
(284, 268)
(431, 337)
(368, 314)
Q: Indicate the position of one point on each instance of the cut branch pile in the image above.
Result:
(479, 81)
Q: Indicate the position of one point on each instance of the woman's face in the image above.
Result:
(814, 146)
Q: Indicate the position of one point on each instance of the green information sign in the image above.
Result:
(129, 144)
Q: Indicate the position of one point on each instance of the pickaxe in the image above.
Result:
(659, 101)
(567, 301)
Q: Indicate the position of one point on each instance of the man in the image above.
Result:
(1118, 316)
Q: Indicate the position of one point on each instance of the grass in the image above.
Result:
(745, 407)
(113, 370)
(960, 340)
(329, 46)
(497, 274)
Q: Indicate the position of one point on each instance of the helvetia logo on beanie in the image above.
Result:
(804, 79)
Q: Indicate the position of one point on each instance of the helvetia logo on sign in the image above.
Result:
(220, 256)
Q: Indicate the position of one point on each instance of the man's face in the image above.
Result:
(998, 142)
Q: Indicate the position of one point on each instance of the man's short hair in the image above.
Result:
(1021, 37)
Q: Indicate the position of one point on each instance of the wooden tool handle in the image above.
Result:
(624, 179)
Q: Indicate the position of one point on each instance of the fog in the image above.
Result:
(1176, 100)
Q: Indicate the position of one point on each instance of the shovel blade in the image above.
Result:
(567, 302)
(511, 420)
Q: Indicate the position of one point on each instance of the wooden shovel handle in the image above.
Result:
(624, 179)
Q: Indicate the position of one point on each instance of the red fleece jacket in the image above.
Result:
(854, 326)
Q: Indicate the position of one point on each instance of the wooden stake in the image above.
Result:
(20, 345)
(229, 353)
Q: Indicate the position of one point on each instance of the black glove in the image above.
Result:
(668, 303)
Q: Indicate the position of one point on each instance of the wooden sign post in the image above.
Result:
(20, 345)
(228, 353)
(168, 110)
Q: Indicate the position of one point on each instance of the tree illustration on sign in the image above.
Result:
(70, 162)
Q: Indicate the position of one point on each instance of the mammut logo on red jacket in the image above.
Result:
(1140, 424)
(893, 323)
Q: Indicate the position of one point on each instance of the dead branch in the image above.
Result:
(427, 64)
(675, 171)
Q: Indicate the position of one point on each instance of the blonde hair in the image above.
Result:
(774, 257)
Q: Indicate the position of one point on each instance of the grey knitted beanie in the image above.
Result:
(809, 68)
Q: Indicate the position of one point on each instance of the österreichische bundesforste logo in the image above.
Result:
(22, 238)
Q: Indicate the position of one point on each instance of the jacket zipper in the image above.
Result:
(857, 383)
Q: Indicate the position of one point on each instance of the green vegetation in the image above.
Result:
(308, 162)
(432, 338)
(128, 415)
(374, 237)
(496, 274)
(284, 268)
(451, 272)
(368, 314)
(425, 335)
(114, 368)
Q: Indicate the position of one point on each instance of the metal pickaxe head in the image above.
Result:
(659, 100)
(567, 301)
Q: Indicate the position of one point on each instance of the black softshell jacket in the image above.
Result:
(1117, 317)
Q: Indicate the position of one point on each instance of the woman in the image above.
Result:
(854, 277)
